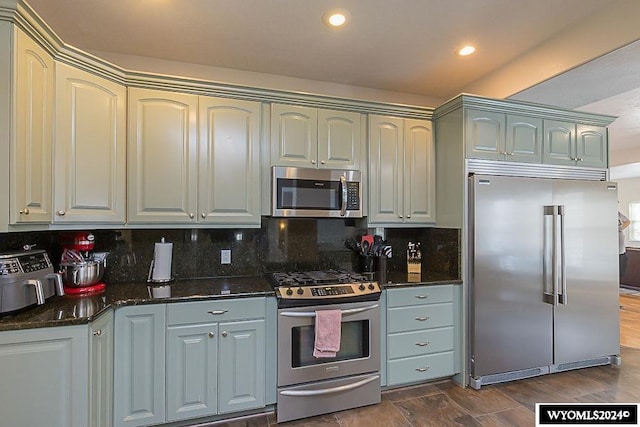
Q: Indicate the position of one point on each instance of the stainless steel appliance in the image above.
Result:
(26, 279)
(326, 193)
(543, 265)
(309, 386)
(81, 269)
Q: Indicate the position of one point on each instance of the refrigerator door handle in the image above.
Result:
(550, 234)
(562, 294)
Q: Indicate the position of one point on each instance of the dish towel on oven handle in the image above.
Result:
(328, 325)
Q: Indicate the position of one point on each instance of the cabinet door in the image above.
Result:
(162, 157)
(419, 172)
(592, 147)
(485, 135)
(559, 143)
(44, 377)
(101, 371)
(524, 139)
(241, 372)
(31, 146)
(229, 176)
(90, 149)
(386, 166)
(139, 365)
(338, 139)
(191, 371)
(294, 136)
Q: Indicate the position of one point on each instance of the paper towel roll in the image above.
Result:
(162, 262)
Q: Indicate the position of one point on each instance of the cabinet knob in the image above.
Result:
(61, 212)
(212, 334)
(408, 216)
(313, 162)
(509, 153)
(203, 215)
(580, 159)
(400, 216)
(191, 215)
(97, 333)
(224, 333)
(323, 162)
(25, 212)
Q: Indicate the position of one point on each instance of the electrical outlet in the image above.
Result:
(225, 256)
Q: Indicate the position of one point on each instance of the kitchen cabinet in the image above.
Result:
(571, 144)
(31, 146)
(215, 357)
(315, 137)
(101, 371)
(402, 172)
(421, 336)
(45, 377)
(508, 137)
(177, 176)
(139, 365)
(90, 149)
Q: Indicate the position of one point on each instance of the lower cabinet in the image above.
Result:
(44, 376)
(101, 371)
(421, 336)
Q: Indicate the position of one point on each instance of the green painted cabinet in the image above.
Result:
(314, 137)
(45, 377)
(139, 365)
(216, 357)
(401, 172)
(509, 137)
(421, 334)
(101, 371)
(571, 144)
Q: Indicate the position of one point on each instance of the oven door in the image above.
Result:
(359, 344)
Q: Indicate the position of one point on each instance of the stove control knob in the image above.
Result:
(300, 291)
(371, 286)
(361, 287)
(289, 291)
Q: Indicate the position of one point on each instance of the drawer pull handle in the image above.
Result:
(422, 296)
(422, 319)
(423, 344)
(423, 369)
(217, 311)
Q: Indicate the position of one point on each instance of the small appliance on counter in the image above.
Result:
(26, 279)
(81, 269)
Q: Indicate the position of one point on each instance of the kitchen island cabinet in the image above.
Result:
(401, 172)
(45, 377)
(314, 137)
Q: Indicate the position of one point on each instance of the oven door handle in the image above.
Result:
(313, 313)
(331, 390)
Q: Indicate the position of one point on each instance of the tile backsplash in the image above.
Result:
(279, 245)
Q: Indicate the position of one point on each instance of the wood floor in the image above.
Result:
(508, 404)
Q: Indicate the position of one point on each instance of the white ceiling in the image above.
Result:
(404, 46)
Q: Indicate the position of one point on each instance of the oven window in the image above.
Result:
(308, 194)
(354, 344)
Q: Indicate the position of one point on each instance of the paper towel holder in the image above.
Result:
(150, 277)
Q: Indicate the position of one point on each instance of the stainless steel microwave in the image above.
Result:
(323, 193)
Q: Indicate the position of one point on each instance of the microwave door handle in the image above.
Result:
(343, 195)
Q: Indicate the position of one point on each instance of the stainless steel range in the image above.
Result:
(309, 385)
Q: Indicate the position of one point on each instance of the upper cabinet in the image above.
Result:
(314, 137)
(179, 173)
(402, 172)
(30, 166)
(90, 149)
(567, 143)
(509, 137)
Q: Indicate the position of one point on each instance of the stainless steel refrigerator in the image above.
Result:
(543, 269)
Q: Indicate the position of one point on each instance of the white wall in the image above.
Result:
(628, 191)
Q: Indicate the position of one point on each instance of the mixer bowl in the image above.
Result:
(80, 274)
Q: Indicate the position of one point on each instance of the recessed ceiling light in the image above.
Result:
(467, 50)
(336, 18)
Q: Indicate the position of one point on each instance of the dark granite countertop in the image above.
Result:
(74, 310)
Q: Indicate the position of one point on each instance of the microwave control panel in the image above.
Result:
(353, 196)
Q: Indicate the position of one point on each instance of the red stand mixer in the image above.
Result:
(81, 269)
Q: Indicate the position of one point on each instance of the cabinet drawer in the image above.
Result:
(421, 368)
(419, 317)
(417, 343)
(214, 311)
(419, 295)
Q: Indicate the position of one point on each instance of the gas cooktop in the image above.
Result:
(303, 278)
